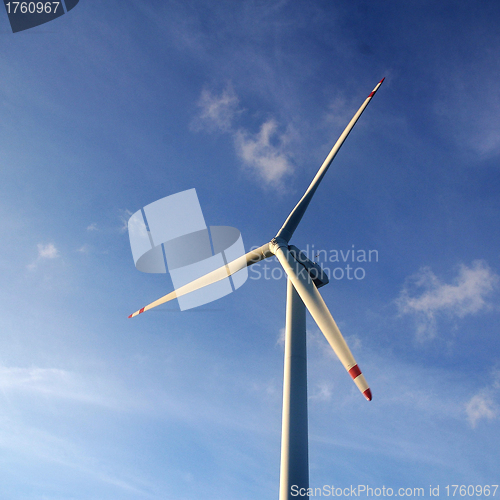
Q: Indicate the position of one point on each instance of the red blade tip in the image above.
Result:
(368, 394)
(382, 79)
(130, 316)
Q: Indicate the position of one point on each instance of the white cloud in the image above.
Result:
(473, 124)
(124, 218)
(425, 296)
(83, 249)
(48, 251)
(92, 227)
(281, 338)
(322, 392)
(263, 389)
(340, 111)
(481, 406)
(217, 111)
(264, 153)
(354, 342)
(488, 143)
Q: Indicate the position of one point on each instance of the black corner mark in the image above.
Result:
(70, 4)
(24, 15)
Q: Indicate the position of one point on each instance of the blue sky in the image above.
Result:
(111, 107)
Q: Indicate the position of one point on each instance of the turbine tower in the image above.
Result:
(304, 279)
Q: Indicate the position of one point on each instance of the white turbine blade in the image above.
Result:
(316, 305)
(296, 214)
(236, 265)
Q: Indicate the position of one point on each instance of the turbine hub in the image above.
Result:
(276, 243)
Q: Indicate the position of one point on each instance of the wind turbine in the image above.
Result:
(304, 279)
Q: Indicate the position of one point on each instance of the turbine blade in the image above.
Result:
(236, 265)
(312, 299)
(296, 214)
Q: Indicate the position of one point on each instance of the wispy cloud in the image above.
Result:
(425, 297)
(473, 124)
(92, 227)
(322, 391)
(50, 382)
(35, 447)
(340, 111)
(263, 153)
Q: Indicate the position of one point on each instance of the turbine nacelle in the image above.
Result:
(318, 276)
